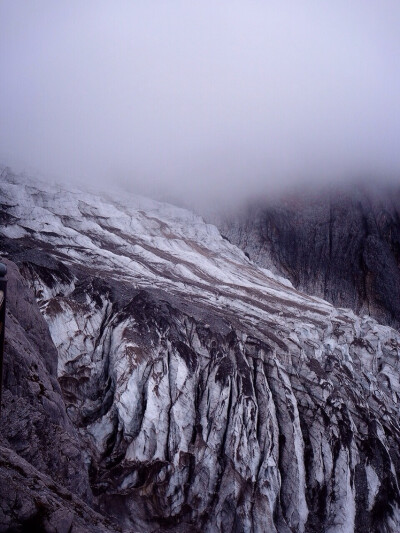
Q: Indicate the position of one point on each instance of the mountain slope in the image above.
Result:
(44, 483)
(341, 245)
(209, 394)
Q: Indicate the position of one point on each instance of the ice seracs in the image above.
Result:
(208, 392)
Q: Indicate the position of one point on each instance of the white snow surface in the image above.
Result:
(147, 243)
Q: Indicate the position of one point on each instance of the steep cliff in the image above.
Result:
(342, 245)
(208, 393)
(44, 480)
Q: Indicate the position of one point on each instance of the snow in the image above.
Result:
(154, 241)
(373, 485)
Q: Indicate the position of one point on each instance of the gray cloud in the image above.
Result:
(205, 99)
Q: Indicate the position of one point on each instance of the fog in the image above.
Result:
(201, 100)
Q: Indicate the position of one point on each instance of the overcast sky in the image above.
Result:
(209, 98)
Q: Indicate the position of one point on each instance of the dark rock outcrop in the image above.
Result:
(36, 435)
(341, 245)
(32, 502)
(34, 421)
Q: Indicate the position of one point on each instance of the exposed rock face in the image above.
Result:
(209, 395)
(34, 424)
(343, 246)
(34, 421)
(32, 502)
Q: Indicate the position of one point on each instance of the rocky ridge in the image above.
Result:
(207, 392)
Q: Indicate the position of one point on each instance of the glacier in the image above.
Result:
(207, 392)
